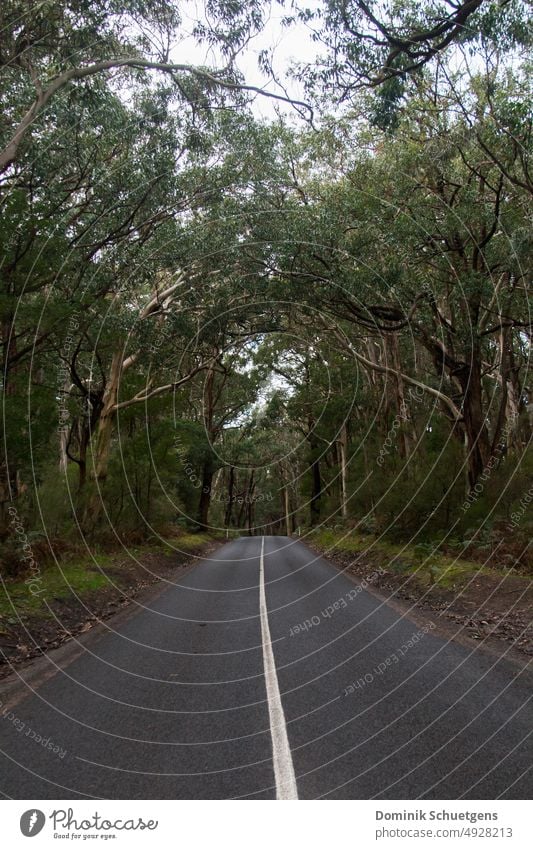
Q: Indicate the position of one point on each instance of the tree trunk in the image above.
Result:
(205, 494)
(250, 505)
(107, 418)
(229, 505)
(478, 443)
(84, 435)
(63, 458)
(103, 438)
(343, 450)
(401, 405)
(316, 488)
(513, 396)
(285, 504)
(8, 473)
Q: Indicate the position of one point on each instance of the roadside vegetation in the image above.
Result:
(215, 324)
(83, 588)
(481, 600)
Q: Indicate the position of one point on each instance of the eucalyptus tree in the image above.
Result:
(101, 166)
(53, 47)
(421, 247)
(224, 393)
(83, 216)
(368, 45)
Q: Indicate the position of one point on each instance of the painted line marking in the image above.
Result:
(281, 752)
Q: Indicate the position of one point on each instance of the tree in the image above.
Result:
(387, 47)
(51, 46)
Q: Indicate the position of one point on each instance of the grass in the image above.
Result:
(183, 542)
(54, 584)
(427, 562)
(74, 578)
(190, 542)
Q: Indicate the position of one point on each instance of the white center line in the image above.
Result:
(281, 752)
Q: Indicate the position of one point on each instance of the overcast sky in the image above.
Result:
(289, 45)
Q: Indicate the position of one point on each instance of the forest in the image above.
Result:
(291, 308)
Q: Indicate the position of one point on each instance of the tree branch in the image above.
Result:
(9, 153)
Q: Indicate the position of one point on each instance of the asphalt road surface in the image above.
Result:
(263, 673)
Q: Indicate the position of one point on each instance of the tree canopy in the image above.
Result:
(230, 323)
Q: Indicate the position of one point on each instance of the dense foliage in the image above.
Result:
(222, 323)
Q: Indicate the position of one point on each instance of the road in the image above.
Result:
(265, 672)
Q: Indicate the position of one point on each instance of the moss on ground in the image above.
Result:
(425, 561)
(79, 577)
(184, 543)
(53, 583)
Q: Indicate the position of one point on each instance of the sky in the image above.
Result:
(289, 45)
